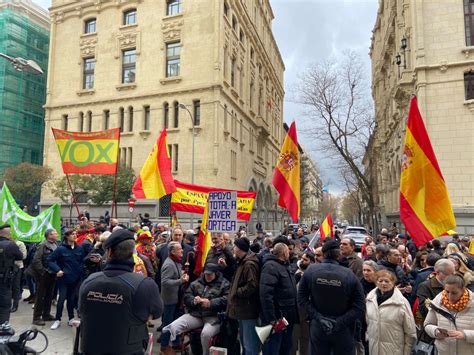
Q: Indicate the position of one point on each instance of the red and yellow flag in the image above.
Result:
(193, 198)
(204, 243)
(88, 153)
(425, 207)
(286, 177)
(326, 228)
(155, 179)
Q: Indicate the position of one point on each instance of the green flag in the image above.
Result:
(23, 226)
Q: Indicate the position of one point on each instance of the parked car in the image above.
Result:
(358, 234)
(295, 227)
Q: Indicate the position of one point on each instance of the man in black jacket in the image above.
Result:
(334, 300)
(115, 304)
(278, 299)
(45, 278)
(9, 253)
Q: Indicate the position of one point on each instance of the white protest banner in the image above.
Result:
(222, 211)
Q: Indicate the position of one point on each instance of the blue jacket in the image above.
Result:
(69, 260)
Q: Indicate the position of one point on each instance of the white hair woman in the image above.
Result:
(391, 328)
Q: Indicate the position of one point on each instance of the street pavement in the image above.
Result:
(61, 340)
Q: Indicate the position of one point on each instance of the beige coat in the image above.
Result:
(391, 327)
(464, 322)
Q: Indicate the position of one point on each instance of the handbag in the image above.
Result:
(423, 346)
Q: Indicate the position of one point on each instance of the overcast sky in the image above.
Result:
(309, 31)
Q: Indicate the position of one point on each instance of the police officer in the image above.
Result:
(116, 304)
(334, 300)
(9, 253)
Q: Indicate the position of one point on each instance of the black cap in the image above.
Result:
(243, 244)
(211, 268)
(330, 245)
(3, 226)
(117, 237)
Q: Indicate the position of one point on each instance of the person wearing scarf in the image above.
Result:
(449, 320)
(391, 328)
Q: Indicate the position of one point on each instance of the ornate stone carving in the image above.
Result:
(129, 39)
(87, 46)
(172, 30)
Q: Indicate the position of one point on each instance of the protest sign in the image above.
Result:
(222, 211)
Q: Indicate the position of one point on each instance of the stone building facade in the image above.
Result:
(424, 48)
(311, 191)
(130, 63)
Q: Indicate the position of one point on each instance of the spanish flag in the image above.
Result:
(326, 228)
(425, 207)
(204, 243)
(286, 177)
(155, 179)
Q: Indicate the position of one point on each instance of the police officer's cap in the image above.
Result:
(3, 226)
(330, 245)
(117, 237)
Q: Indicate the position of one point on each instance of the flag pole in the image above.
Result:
(114, 203)
(73, 195)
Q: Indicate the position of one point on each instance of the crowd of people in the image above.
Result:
(332, 298)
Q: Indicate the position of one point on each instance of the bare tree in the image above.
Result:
(340, 117)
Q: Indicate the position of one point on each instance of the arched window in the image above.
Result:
(121, 118)
(469, 85)
(65, 122)
(80, 124)
(469, 21)
(90, 25)
(166, 115)
(89, 121)
(130, 119)
(176, 114)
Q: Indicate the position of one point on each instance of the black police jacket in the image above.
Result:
(114, 306)
(331, 290)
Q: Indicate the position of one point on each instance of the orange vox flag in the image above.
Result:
(425, 207)
(204, 242)
(326, 228)
(155, 179)
(286, 177)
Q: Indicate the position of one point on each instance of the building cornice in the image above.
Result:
(29, 9)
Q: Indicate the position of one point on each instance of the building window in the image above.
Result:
(129, 58)
(121, 118)
(106, 119)
(130, 119)
(175, 156)
(233, 65)
(469, 85)
(226, 123)
(241, 131)
(146, 118)
(166, 115)
(241, 36)
(173, 59)
(226, 9)
(252, 54)
(234, 125)
(252, 86)
(173, 7)
(89, 73)
(469, 21)
(234, 23)
(130, 17)
(233, 165)
(90, 25)
(89, 121)
(251, 139)
(176, 114)
(80, 125)
(123, 157)
(173, 152)
(129, 160)
(65, 122)
(197, 112)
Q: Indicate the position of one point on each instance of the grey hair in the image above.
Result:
(48, 232)
(372, 264)
(172, 246)
(442, 264)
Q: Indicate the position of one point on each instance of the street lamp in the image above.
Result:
(26, 65)
(184, 107)
(404, 45)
